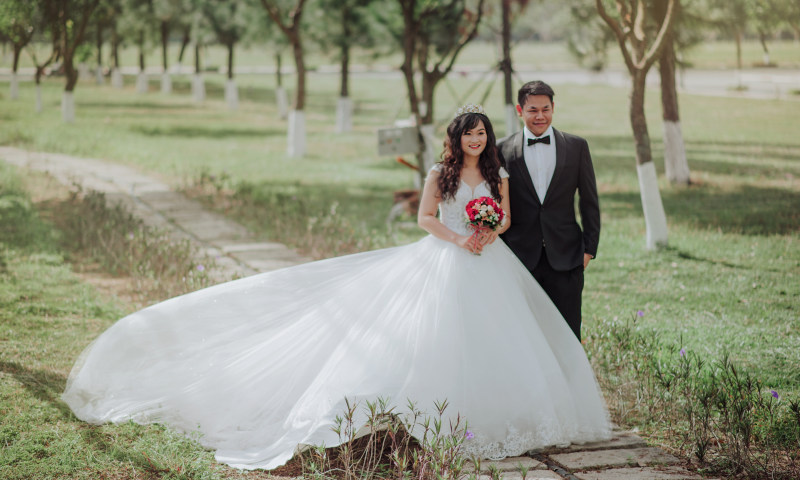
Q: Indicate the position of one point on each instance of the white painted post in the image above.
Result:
(282, 100)
(116, 78)
(198, 88)
(39, 106)
(166, 83)
(297, 133)
(141, 83)
(231, 94)
(428, 152)
(654, 217)
(675, 162)
(14, 94)
(512, 120)
(67, 107)
(344, 115)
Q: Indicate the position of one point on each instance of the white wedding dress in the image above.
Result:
(262, 365)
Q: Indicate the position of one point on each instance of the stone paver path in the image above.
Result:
(235, 250)
(625, 457)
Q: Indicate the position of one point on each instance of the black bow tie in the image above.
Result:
(534, 141)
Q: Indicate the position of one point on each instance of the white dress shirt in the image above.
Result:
(540, 159)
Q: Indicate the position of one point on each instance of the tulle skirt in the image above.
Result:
(260, 366)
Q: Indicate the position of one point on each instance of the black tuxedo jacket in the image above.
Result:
(553, 222)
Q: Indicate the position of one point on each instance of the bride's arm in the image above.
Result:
(426, 216)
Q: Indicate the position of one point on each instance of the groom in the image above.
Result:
(546, 168)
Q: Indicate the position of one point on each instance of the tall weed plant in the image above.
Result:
(122, 244)
(708, 409)
(319, 224)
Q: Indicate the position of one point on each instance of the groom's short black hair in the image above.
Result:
(536, 87)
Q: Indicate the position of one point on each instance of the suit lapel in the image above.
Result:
(561, 160)
(521, 167)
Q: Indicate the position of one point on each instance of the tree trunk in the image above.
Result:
(115, 47)
(654, 215)
(164, 45)
(231, 92)
(675, 162)
(184, 42)
(99, 42)
(297, 122)
(738, 38)
(762, 37)
(281, 98)
(141, 79)
(512, 121)
(344, 107)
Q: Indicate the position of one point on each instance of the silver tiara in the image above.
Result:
(470, 108)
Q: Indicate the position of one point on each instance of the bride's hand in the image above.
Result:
(488, 237)
(470, 243)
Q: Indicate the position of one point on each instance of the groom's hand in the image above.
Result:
(586, 258)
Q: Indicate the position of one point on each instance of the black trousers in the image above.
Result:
(565, 289)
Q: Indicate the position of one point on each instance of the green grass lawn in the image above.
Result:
(729, 281)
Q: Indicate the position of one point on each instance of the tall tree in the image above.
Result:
(17, 19)
(431, 34)
(288, 15)
(345, 24)
(137, 23)
(168, 14)
(72, 19)
(45, 23)
(508, 12)
(640, 51)
(229, 19)
(733, 17)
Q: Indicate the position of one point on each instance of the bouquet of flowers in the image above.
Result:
(484, 212)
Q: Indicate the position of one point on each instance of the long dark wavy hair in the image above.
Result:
(453, 156)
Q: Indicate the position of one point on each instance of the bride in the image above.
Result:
(262, 365)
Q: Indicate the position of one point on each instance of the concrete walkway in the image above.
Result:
(624, 457)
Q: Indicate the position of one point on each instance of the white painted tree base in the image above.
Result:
(512, 120)
(231, 94)
(198, 88)
(297, 133)
(428, 152)
(675, 163)
(14, 86)
(98, 75)
(654, 217)
(282, 100)
(344, 115)
(166, 83)
(116, 78)
(141, 83)
(67, 107)
(83, 71)
(39, 105)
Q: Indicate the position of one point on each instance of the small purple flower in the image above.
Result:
(775, 394)
(469, 435)
(640, 313)
(130, 236)
(683, 352)
(200, 268)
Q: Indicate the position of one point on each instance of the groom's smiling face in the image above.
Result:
(537, 113)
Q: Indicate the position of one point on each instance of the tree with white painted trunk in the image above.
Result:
(676, 164)
(168, 14)
(507, 12)
(72, 18)
(229, 20)
(288, 15)
(431, 34)
(343, 24)
(640, 51)
(16, 28)
(44, 22)
(137, 23)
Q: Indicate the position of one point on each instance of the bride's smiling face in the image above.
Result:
(473, 141)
